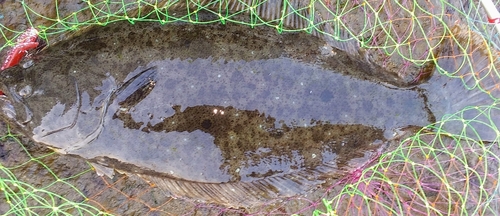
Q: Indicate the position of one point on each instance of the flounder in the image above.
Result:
(216, 113)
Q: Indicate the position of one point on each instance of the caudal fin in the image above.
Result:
(467, 86)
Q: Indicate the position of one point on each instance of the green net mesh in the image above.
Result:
(447, 168)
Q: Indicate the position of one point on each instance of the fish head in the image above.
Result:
(29, 94)
(14, 91)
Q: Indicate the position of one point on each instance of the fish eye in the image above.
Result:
(25, 92)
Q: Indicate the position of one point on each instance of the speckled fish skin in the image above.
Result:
(213, 106)
(229, 115)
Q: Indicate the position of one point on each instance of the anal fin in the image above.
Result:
(246, 194)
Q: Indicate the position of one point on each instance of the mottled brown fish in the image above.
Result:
(215, 113)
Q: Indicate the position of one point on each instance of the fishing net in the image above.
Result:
(448, 168)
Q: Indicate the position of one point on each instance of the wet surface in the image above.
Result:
(242, 110)
(284, 123)
(71, 177)
(210, 108)
(75, 17)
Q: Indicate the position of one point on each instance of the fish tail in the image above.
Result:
(472, 85)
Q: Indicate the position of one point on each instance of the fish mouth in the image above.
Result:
(8, 108)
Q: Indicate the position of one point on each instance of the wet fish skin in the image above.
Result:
(146, 106)
(103, 64)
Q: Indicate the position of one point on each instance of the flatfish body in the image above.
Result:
(216, 113)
